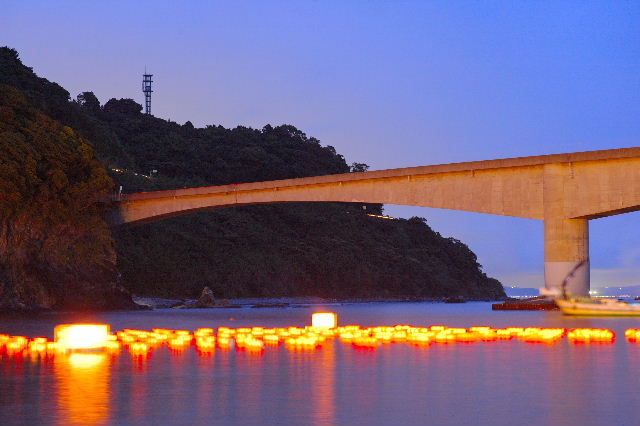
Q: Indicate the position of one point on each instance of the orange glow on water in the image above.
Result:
(83, 393)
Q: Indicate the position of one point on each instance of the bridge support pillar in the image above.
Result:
(566, 250)
(566, 241)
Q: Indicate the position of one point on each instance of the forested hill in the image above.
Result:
(318, 249)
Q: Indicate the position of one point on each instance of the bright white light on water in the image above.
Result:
(324, 319)
(82, 336)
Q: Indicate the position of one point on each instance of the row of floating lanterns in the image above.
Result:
(90, 337)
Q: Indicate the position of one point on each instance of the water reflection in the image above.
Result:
(323, 387)
(480, 382)
(82, 388)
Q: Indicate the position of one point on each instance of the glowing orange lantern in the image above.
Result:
(82, 336)
(324, 320)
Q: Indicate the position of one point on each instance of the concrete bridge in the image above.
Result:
(563, 190)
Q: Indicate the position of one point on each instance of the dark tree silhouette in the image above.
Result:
(89, 101)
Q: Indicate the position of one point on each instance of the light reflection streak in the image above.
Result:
(206, 385)
(323, 389)
(83, 388)
(251, 395)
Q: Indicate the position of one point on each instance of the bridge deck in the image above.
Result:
(574, 157)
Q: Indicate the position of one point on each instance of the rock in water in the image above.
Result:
(206, 300)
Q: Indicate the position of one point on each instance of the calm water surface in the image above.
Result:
(493, 383)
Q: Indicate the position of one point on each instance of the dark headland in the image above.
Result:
(60, 156)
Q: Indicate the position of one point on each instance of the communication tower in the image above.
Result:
(146, 89)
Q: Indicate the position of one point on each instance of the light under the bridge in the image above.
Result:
(324, 320)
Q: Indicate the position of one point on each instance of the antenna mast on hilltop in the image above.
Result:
(146, 89)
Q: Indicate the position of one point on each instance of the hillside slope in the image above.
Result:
(323, 249)
(56, 252)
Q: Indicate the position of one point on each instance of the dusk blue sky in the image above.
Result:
(388, 83)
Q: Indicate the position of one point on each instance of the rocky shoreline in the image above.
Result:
(152, 303)
(283, 302)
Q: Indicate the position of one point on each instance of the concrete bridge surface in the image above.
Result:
(563, 190)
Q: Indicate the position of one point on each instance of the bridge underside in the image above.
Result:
(564, 190)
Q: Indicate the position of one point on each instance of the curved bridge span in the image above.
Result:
(564, 190)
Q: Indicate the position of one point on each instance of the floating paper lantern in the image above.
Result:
(324, 320)
(588, 335)
(82, 336)
(633, 335)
